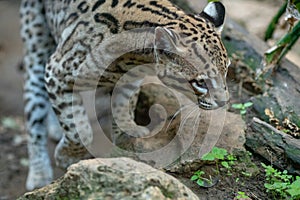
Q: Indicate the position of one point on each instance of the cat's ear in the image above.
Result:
(215, 13)
(166, 39)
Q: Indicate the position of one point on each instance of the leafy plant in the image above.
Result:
(242, 107)
(294, 189)
(220, 154)
(200, 180)
(242, 195)
(280, 183)
(230, 160)
(215, 154)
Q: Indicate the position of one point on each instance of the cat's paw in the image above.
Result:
(40, 174)
(66, 155)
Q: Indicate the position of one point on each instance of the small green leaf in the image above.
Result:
(248, 104)
(219, 153)
(295, 188)
(208, 156)
(194, 177)
(231, 157)
(285, 130)
(294, 192)
(264, 165)
(237, 106)
(200, 182)
(225, 164)
(199, 173)
(243, 112)
(242, 195)
(268, 186)
(231, 162)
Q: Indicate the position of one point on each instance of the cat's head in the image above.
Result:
(192, 52)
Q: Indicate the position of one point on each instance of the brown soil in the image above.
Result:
(231, 182)
(13, 154)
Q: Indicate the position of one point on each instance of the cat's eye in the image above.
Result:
(199, 86)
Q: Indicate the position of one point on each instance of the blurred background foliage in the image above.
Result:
(291, 10)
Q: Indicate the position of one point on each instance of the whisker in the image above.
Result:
(177, 112)
(180, 109)
(197, 120)
(186, 143)
(188, 115)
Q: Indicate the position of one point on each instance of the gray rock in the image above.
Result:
(232, 138)
(182, 140)
(114, 178)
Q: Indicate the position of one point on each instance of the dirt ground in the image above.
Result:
(12, 173)
(254, 15)
(13, 154)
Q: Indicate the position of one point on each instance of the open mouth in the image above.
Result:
(204, 104)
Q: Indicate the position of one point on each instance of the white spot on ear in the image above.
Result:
(215, 12)
(211, 10)
(219, 29)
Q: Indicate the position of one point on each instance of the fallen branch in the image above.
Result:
(281, 149)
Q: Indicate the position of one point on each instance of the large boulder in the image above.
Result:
(114, 178)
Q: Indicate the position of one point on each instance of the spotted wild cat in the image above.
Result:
(68, 43)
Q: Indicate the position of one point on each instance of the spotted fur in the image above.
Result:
(68, 43)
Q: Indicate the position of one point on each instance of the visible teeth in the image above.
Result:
(205, 104)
